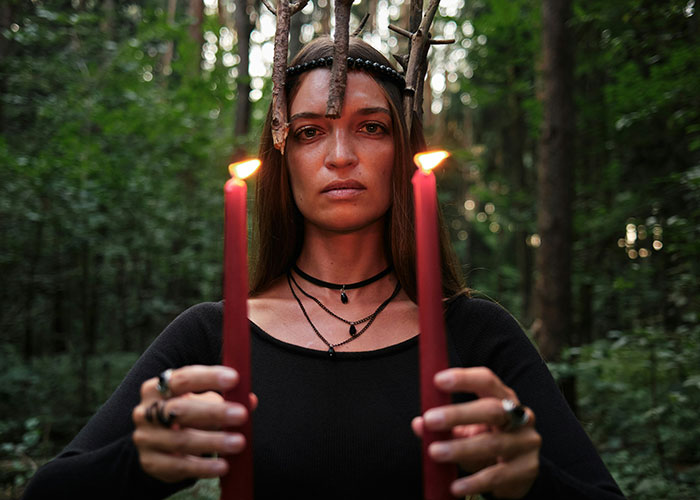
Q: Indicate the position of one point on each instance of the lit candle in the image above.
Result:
(238, 482)
(433, 345)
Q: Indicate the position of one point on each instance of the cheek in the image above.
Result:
(297, 187)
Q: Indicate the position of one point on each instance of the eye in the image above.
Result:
(306, 133)
(374, 128)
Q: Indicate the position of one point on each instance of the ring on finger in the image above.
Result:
(151, 412)
(516, 416)
(164, 383)
(166, 420)
(156, 414)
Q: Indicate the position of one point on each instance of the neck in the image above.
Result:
(343, 257)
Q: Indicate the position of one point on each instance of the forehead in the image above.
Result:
(361, 91)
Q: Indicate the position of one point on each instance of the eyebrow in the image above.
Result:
(361, 111)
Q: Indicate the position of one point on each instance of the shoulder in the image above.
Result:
(195, 334)
(481, 331)
(478, 314)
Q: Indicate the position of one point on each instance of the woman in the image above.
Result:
(335, 372)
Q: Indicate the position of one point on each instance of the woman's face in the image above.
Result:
(340, 170)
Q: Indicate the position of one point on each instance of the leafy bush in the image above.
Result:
(638, 397)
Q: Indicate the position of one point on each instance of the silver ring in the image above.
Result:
(515, 414)
(164, 383)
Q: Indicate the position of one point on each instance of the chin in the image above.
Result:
(348, 223)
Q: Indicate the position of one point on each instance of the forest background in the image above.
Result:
(118, 119)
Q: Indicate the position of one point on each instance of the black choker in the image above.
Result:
(340, 286)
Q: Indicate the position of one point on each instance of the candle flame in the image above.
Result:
(243, 169)
(430, 159)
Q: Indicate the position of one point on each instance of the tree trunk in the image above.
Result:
(326, 18)
(30, 299)
(295, 34)
(223, 13)
(107, 22)
(243, 30)
(196, 13)
(553, 324)
(514, 135)
(372, 11)
(168, 56)
(5, 21)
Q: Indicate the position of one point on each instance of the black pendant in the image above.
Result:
(331, 351)
(343, 297)
(353, 330)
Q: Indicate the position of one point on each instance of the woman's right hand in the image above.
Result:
(176, 453)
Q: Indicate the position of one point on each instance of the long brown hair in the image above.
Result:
(279, 226)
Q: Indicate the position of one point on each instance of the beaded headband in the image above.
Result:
(353, 63)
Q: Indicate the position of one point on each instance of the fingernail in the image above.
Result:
(445, 379)
(462, 487)
(233, 442)
(439, 450)
(434, 418)
(235, 414)
(228, 377)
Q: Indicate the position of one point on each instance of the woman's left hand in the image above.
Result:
(504, 463)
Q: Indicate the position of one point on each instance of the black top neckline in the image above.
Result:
(317, 353)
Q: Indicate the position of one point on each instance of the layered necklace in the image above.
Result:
(354, 333)
(341, 286)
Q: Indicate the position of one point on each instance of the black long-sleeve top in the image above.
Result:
(332, 427)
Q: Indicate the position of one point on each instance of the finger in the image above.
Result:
(459, 431)
(206, 414)
(417, 426)
(194, 378)
(471, 430)
(482, 411)
(253, 401)
(188, 441)
(486, 447)
(504, 479)
(170, 468)
(478, 380)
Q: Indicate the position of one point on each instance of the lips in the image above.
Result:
(349, 185)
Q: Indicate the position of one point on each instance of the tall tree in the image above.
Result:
(243, 29)
(170, 50)
(196, 13)
(553, 324)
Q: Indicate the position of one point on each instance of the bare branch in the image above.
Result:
(400, 31)
(294, 7)
(414, 15)
(297, 6)
(269, 6)
(420, 84)
(280, 127)
(444, 41)
(359, 28)
(339, 70)
(402, 60)
(419, 42)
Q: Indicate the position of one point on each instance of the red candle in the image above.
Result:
(437, 477)
(238, 483)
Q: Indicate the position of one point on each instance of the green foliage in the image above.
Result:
(38, 402)
(638, 393)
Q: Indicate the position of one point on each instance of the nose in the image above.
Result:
(341, 150)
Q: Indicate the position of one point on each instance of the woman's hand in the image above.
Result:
(504, 463)
(198, 414)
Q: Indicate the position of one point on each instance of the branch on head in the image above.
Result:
(284, 11)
